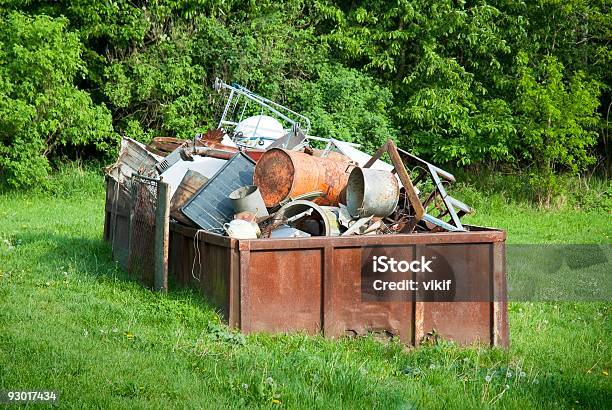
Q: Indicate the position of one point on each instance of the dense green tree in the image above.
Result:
(521, 85)
(41, 110)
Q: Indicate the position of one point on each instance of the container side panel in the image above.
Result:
(120, 239)
(174, 257)
(464, 322)
(501, 331)
(117, 221)
(211, 274)
(284, 291)
(348, 314)
(205, 267)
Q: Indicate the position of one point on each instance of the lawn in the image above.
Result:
(72, 322)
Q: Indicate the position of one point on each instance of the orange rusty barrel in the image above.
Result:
(282, 174)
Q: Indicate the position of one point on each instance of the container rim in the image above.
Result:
(479, 234)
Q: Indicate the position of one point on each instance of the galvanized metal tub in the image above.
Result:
(248, 199)
(372, 192)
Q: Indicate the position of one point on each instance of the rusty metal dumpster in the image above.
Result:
(313, 284)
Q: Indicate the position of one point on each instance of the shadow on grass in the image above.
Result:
(93, 257)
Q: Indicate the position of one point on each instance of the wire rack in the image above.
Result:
(141, 260)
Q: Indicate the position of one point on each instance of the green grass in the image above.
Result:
(71, 321)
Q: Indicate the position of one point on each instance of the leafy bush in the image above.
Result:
(506, 85)
(346, 104)
(41, 109)
(556, 118)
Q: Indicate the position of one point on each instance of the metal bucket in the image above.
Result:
(190, 184)
(321, 222)
(248, 199)
(282, 174)
(371, 192)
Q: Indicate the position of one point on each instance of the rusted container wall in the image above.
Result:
(314, 285)
(207, 262)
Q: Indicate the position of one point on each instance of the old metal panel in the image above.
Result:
(283, 291)
(501, 331)
(211, 207)
(133, 159)
(484, 236)
(176, 242)
(120, 241)
(205, 266)
(215, 280)
(245, 301)
(328, 322)
(117, 197)
(234, 290)
(464, 322)
(348, 314)
(117, 221)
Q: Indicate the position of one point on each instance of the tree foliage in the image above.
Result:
(522, 85)
(41, 110)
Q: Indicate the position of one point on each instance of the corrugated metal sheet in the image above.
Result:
(211, 207)
(133, 159)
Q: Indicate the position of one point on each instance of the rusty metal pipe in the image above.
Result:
(214, 152)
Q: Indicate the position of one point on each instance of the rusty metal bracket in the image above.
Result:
(390, 148)
(454, 208)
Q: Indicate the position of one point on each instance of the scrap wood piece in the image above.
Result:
(164, 145)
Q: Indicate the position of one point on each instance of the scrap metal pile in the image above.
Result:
(259, 175)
